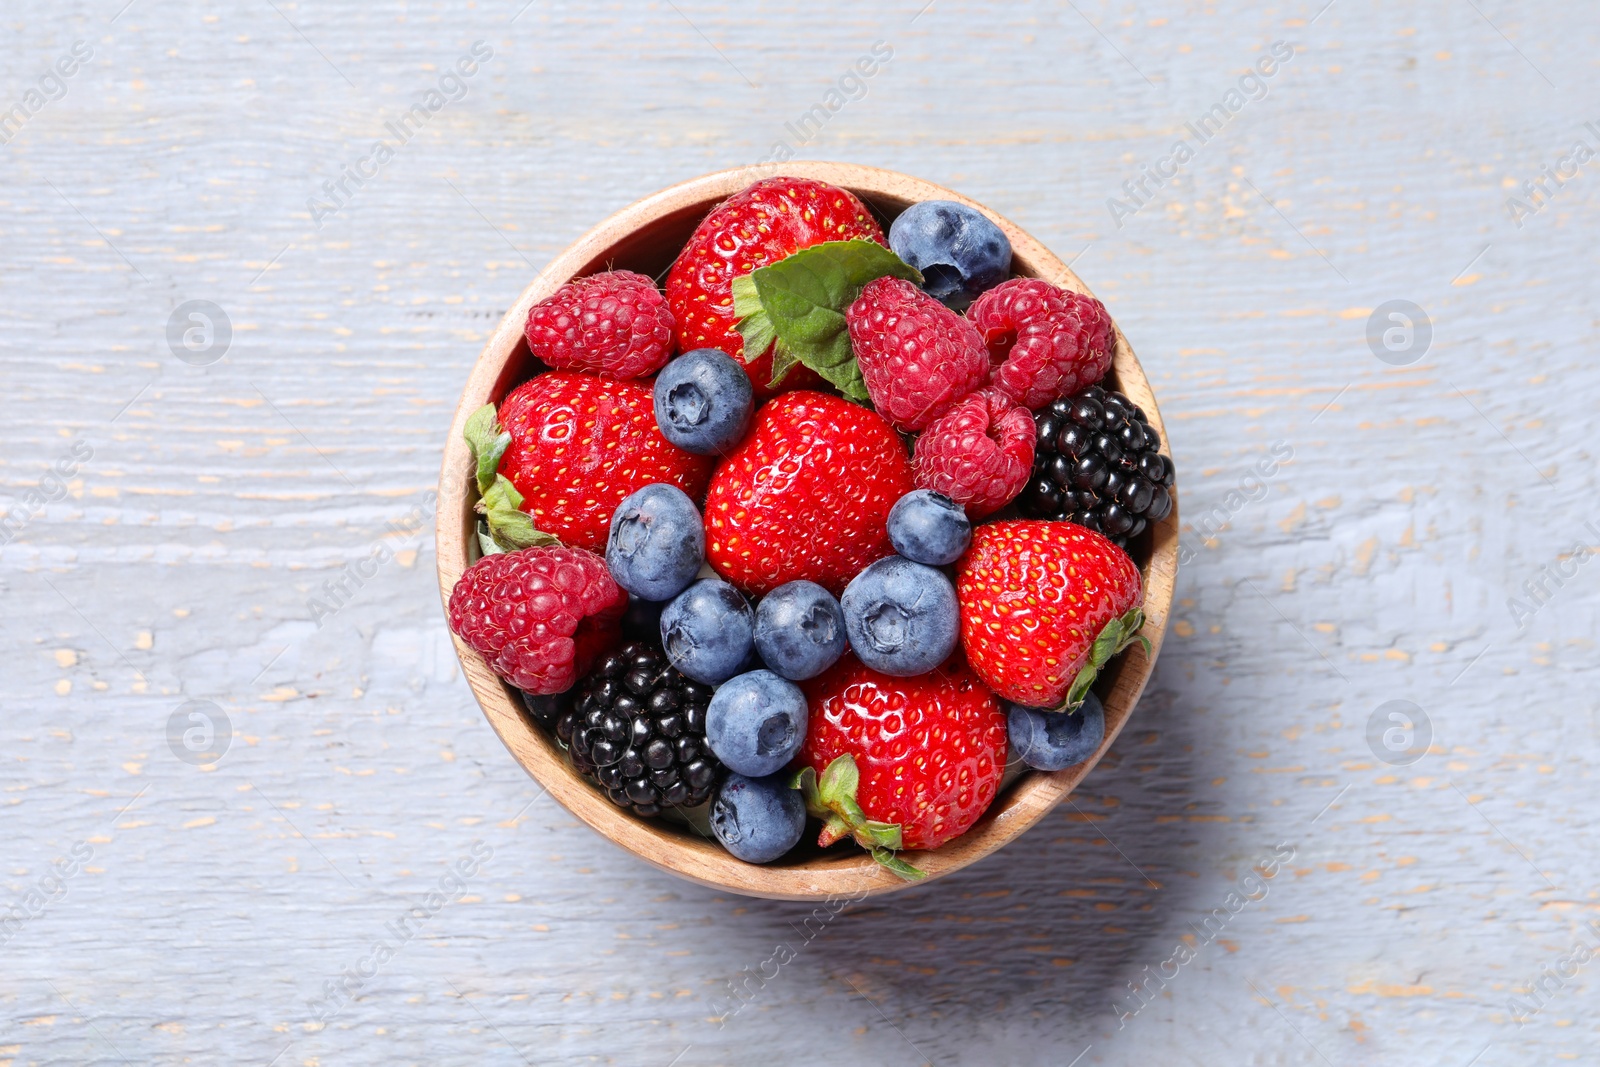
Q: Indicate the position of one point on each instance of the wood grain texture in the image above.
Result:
(646, 237)
(1374, 565)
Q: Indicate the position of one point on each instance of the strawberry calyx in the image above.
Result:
(1115, 636)
(832, 798)
(504, 526)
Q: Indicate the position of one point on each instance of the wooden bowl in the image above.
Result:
(646, 237)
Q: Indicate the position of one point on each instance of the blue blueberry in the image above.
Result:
(756, 723)
(708, 631)
(703, 402)
(958, 250)
(928, 527)
(901, 617)
(657, 542)
(799, 630)
(758, 819)
(1056, 740)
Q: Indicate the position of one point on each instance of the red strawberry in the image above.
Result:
(929, 752)
(979, 453)
(615, 323)
(579, 444)
(751, 229)
(917, 356)
(1045, 605)
(538, 616)
(806, 495)
(1045, 342)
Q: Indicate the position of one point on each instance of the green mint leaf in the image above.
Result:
(783, 361)
(487, 442)
(756, 326)
(890, 861)
(798, 304)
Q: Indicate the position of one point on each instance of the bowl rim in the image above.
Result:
(838, 873)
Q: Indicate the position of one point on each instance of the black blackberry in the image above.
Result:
(638, 728)
(1098, 463)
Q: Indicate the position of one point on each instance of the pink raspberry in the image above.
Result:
(979, 453)
(616, 323)
(538, 616)
(1045, 342)
(917, 356)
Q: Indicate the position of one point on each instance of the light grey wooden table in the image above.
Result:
(178, 510)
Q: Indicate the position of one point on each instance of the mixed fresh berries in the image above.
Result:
(916, 355)
(1098, 463)
(752, 229)
(799, 630)
(538, 616)
(638, 728)
(806, 496)
(979, 453)
(580, 444)
(959, 251)
(814, 600)
(1045, 342)
(616, 323)
(657, 542)
(901, 617)
(1045, 605)
(704, 402)
(929, 527)
(929, 751)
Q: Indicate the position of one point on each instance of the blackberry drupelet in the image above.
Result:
(1098, 463)
(638, 728)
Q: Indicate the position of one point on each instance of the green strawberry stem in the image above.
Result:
(796, 307)
(1116, 635)
(505, 527)
(833, 800)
